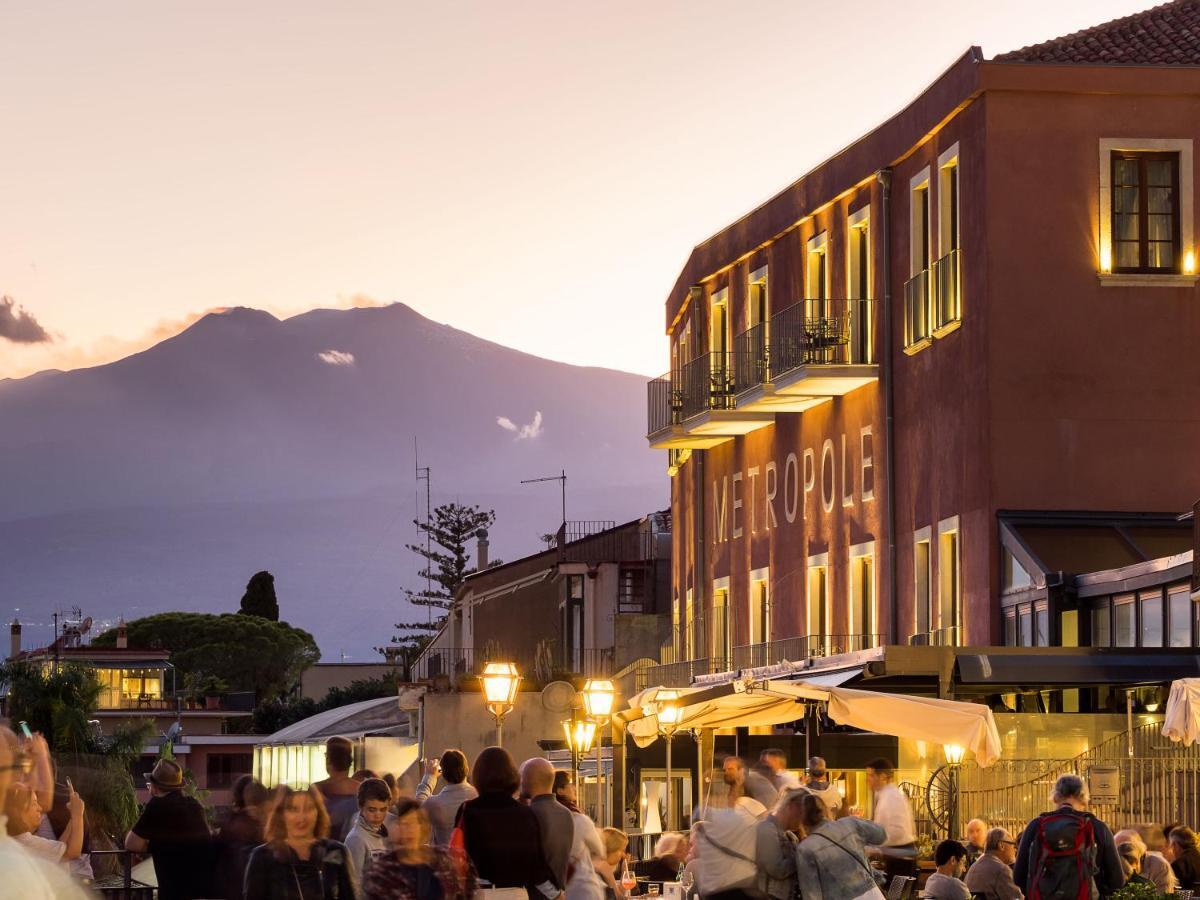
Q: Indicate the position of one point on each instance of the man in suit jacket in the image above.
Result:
(554, 820)
(992, 873)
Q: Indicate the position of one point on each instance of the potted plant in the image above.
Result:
(212, 687)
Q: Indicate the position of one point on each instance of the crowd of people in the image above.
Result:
(518, 833)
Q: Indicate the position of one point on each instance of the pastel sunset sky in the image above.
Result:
(533, 172)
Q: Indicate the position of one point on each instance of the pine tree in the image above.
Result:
(451, 526)
(259, 599)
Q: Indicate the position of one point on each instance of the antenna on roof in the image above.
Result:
(423, 474)
(561, 478)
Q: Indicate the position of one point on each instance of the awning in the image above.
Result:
(1044, 670)
(748, 703)
(380, 716)
(1182, 721)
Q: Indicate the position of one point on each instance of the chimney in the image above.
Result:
(15, 636)
(481, 549)
(122, 637)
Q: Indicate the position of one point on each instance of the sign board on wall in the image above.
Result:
(1104, 784)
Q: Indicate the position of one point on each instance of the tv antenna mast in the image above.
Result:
(560, 478)
(423, 474)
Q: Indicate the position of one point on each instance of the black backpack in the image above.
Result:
(1062, 856)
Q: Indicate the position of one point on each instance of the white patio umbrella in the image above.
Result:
(775, 702)
(1182, 721)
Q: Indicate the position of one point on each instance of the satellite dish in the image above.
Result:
(558, 697)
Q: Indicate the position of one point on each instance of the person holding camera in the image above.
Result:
(442, 808)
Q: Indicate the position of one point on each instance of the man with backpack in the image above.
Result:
(1067, 853)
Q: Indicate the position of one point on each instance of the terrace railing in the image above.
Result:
(917, 313)
(947, 278)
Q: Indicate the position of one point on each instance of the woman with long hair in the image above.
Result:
(414, 870)
(831, 861)
(501, 835)
(298, 861)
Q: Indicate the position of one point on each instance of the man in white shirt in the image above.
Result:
(772, 763)
(899, 851)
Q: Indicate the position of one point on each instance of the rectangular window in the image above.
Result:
(718, 325)
(1179, 608)
(760, 607)
(816, 277)
(573, 624)
(1041, 625)
(949, 583)
(676, 630)
(1010, 628)
(689, 628)
(631, 590)
(858, 272)
(948, 202)
(1150, 604)
(758, 312)
(862, 612)
(1101, 625)
(1025, 619)
(721, 651)
(1145, 211)
(919, 231)
(819, 618)
(923, 571)
(1124, 614)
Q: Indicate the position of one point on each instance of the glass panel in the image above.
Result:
(1123, 631)
(1125, 200)
(1179, 603)
(1041, 620)
(1026, 623)
(1126, 227)
(1068, 628)
(1162, 255)
(1158, 200)
(1158, 171)
(1127, 255)
(1152, 619)
(1010, 629)
(1126, 171)
(1015, 575)
(1160, 228)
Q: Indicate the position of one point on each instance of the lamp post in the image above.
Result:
(500, 682)
(954, 757)
(599, 697)
(668, 711)
(580, 733)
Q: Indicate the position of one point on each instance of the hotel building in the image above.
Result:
(917, 392)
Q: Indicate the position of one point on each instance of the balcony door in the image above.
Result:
(820, 618)
(760, 607)
(862, 336)
(573, 624)
(721, 651)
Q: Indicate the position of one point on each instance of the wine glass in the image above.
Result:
(628, 879)
(686, 880)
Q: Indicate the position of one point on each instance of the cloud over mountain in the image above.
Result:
(19, 326)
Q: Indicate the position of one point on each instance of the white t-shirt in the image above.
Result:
(27, 877)
(585, 884)
(41, 847)
(80, 866)
(894, 814)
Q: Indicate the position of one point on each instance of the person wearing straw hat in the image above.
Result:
(174, 831)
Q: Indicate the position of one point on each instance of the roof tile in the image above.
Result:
(1166, 35)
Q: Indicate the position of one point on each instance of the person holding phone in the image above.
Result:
(442, 808)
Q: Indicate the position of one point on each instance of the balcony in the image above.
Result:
(537, 665)
(796, 649)
(813, 350)
(947, 279)
(695, 406)
(917, 313)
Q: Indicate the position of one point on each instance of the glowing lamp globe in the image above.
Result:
(955, 753)
(500, 683)
(599, 697)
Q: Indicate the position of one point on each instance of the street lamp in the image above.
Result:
(599, 698)
(955, 753)
(669, 712)
(500, 682)
(580, 733)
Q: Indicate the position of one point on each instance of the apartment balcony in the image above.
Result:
(535, 664)
(918, 312)
(947, 305)
(813, 350)
(695, 407)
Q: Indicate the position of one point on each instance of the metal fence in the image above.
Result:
(1159, 782)
(947, 279)
(917, 309)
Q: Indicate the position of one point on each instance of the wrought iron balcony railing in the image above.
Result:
(947, 277)
(949, 636)
(752, 656)
(705, 383)
(917, 313)
(532, 662)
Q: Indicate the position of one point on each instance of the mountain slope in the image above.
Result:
(247, 439)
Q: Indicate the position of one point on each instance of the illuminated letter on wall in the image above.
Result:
(828, 484)
(791, 487)
(737, 504)
(770, 484)
(810, 476)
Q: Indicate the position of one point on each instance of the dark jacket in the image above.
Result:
(504, 842)
(1186, 866)
(277, 873)
(1109, 878)
(236, 839)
